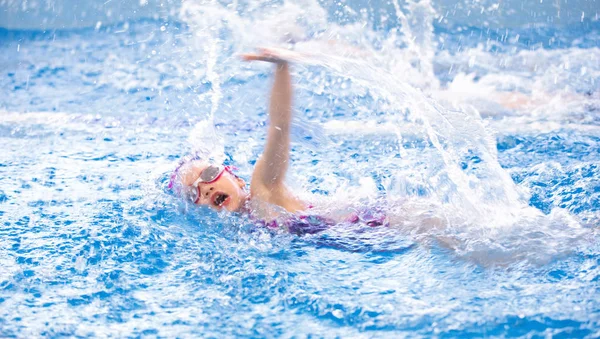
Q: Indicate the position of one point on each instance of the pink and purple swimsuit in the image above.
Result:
(311, 224)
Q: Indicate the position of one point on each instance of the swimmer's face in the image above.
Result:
(227, 192)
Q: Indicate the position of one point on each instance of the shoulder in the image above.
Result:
(278, 195)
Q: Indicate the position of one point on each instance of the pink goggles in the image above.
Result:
(208, 175)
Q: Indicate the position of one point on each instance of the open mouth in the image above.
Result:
(219, 198)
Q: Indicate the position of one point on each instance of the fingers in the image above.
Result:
(257, 57)
(265, 54)
(250, 57)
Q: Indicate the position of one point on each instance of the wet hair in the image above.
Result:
(175, 180)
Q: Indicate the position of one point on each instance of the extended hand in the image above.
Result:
(274, 55)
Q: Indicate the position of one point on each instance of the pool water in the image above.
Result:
(92, 121)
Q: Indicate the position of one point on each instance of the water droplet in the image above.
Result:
(338, 314)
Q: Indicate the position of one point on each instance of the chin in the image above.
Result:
(233, 207)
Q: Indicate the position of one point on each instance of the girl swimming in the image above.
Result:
(268, 200)
(217, 187)
(270, 203)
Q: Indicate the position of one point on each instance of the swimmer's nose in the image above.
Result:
(206, 193)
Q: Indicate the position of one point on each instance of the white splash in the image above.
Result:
(457, 170)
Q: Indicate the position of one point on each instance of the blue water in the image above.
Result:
(92, 243)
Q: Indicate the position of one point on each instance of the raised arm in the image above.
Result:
(271, 167)
(269, 172)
